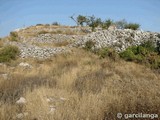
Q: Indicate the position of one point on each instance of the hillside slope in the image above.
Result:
(74, 85)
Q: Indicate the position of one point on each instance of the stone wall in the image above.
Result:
(118, 39)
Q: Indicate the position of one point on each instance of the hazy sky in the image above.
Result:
(18, 13)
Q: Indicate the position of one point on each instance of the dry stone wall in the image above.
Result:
(118, 39)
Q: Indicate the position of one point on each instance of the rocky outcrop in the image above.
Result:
(118, 39)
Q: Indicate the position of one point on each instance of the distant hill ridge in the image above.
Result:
(45, 41)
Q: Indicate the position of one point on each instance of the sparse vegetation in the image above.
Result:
(146, 53)
(8, 53)
(94, 22)
(106, 24)
(121, 24)
(133, 26)
(108, 52)
(89, 88)
(89, 46)
(43, 32)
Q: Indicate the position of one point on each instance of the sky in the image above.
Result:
(23, 13)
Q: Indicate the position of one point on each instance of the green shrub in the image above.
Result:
(145, 53)
(128, 55)
(133, 49)
(135, 53)
(108, 52)
(89, 45)
(106, 24)
(142, 51)
(8, 53)
(149, 45)
(133, 26)
(139, 58)
(158, 47)
(55, 23)
(94, 22)
(14, 36)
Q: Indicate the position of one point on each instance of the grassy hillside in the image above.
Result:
(77, 86)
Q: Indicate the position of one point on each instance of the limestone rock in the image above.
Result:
(22, 100)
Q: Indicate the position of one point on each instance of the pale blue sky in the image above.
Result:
(17, 13)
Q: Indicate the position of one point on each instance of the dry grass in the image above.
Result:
(58, 44)
(36, 30)
(93, 88)
(62, 31)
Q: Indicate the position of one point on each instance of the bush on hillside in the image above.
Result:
(14, 36)
(145, 53)
(149, 45)
(94, 22)
(106, 24)
(8, 53)
(55, 23)
(89, 45)
(133, 26)
(108, 52)
(153, 61)
(128, 55)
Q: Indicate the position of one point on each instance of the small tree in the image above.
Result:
(94, 22)
(81, 20)
(72, 17)
(107, 23)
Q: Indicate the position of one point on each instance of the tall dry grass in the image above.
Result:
(79, 86)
